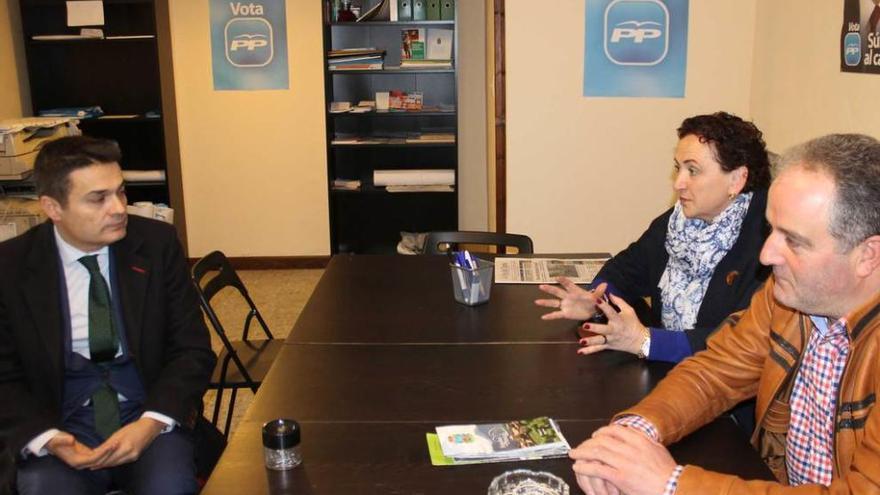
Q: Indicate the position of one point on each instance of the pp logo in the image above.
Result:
(852, 49)
(249, 42)
(636, 32)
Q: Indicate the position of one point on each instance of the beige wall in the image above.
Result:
(588, 174)
(253, 162)
(798, 91)
(14, 96)
(472, 173)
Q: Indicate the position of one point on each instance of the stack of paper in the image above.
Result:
(432, 137)
(414, 177)
(496, 442)
(356, 59)
(346, 184)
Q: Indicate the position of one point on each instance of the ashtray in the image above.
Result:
(526, 482)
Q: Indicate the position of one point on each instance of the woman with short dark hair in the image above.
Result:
(697, 263)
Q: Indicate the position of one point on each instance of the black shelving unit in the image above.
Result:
(121, 75)
(369, 220)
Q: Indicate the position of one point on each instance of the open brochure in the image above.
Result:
(545, 270)
(496, 442)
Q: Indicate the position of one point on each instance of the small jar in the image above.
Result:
(281, 444)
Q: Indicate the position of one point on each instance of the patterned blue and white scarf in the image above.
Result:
(695, 248)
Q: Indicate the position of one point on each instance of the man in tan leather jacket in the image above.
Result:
(824, 208)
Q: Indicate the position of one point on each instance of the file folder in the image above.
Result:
(404, 10)
(419, 10)
(433, 13)
(447, 10)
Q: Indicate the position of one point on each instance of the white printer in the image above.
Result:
(21, 140)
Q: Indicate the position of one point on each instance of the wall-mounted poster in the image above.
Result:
(635, 48)
(249, 44)
(860, 37)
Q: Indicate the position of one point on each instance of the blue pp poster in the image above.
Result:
(635, 48)
(249, 45)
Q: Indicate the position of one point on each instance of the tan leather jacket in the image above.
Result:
(758, 351)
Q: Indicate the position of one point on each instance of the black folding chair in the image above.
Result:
(251, 358)
(443, 242)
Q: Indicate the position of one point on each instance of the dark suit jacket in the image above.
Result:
(636, 272)
(166, 333)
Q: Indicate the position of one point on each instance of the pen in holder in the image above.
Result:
(472, 286)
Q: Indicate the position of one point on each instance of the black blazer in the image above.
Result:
(636, 272)
(166, 333)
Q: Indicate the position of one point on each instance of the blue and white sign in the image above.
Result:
(635, 48)
(249, 45)
(852, 49)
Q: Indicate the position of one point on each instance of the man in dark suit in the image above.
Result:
(104, 354)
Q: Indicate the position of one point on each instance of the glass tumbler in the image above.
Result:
(281, 444)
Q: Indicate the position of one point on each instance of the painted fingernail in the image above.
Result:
(585, 326)
(583, 341)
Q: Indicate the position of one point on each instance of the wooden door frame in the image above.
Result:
(500, 120)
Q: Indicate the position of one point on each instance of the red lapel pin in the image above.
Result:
(139, 270)
(731, 277)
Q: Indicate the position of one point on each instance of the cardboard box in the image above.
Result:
(16, 167)
(20, 136)
(17, 215)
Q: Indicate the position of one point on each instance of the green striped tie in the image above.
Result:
(103, 344)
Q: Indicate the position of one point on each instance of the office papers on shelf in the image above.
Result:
(84, 34)
(425, 64)
(537, 438)
(148, 209)
(354, 52)
(364, 106)
(346, 185)
(438, 45)
(132, 37)
(143, 175)
(359, 140)
(414, 177)
(545, 270)
(76, 112)
(432, 137)
(340, 106)
(368, 58)
(372, 63)
(85, 13)
(428, 188)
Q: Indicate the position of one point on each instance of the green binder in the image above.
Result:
(419, 10)
(447, 10)
(404, 10)
(433, 10)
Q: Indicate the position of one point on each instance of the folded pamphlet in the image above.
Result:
(536, 438)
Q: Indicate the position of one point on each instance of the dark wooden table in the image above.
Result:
(382, 354)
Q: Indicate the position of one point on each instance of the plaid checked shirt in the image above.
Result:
(809, 447)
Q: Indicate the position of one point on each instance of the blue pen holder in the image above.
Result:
(472, 286)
